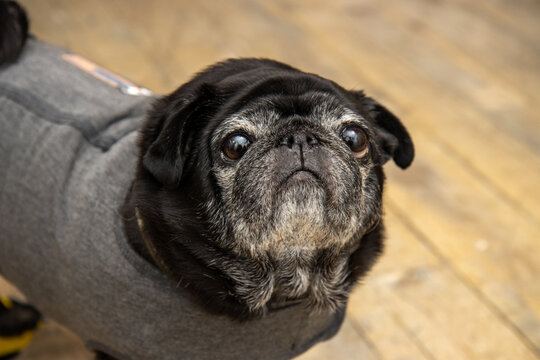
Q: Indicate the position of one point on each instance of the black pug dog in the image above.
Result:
(257, 185)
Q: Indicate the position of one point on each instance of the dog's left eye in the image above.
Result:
(356, 138)
(235, 146)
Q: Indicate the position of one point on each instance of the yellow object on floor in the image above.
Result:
(10, 345)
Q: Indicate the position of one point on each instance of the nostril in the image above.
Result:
(311, 140)
(299, 138)
(288, 141)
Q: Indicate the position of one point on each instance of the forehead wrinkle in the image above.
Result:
(270, 104)
(329, 109)
(257, 120)
(333, 114)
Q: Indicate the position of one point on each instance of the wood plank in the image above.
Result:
(460, 72)
(520, 17)
(54, 342)
(424, 299)
(483, 87)
(491, 44)
(490, 246)
(347, 345)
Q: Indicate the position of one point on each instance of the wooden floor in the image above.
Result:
(460, 277)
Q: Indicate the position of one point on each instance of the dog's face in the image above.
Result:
(293, 182)
(268, 181)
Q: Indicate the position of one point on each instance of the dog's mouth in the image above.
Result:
(301, 177)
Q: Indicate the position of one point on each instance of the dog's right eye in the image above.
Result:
(356, 139)
(235, 146)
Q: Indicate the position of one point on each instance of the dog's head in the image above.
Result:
(258, 183)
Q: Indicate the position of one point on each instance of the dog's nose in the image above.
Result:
(302, 138)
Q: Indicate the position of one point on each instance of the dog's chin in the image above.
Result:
(299, 185)
(302, 177)
(299, 212)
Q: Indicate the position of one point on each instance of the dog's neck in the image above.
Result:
(243, 288)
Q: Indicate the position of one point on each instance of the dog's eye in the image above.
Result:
(356, 138)
(235, 146)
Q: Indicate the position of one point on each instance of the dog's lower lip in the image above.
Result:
(301, 176)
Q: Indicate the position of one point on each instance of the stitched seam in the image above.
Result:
(51, 114)
(32, 104)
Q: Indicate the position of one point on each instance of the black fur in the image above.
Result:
(13, 31)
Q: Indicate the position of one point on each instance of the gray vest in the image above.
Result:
(67, 157)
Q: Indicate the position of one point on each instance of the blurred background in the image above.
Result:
(460, 277)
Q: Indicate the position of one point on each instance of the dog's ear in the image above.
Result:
(167, 138)
(394, 140)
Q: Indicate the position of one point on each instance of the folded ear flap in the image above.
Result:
(167, 138)
(394, 140)
(164, 159)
